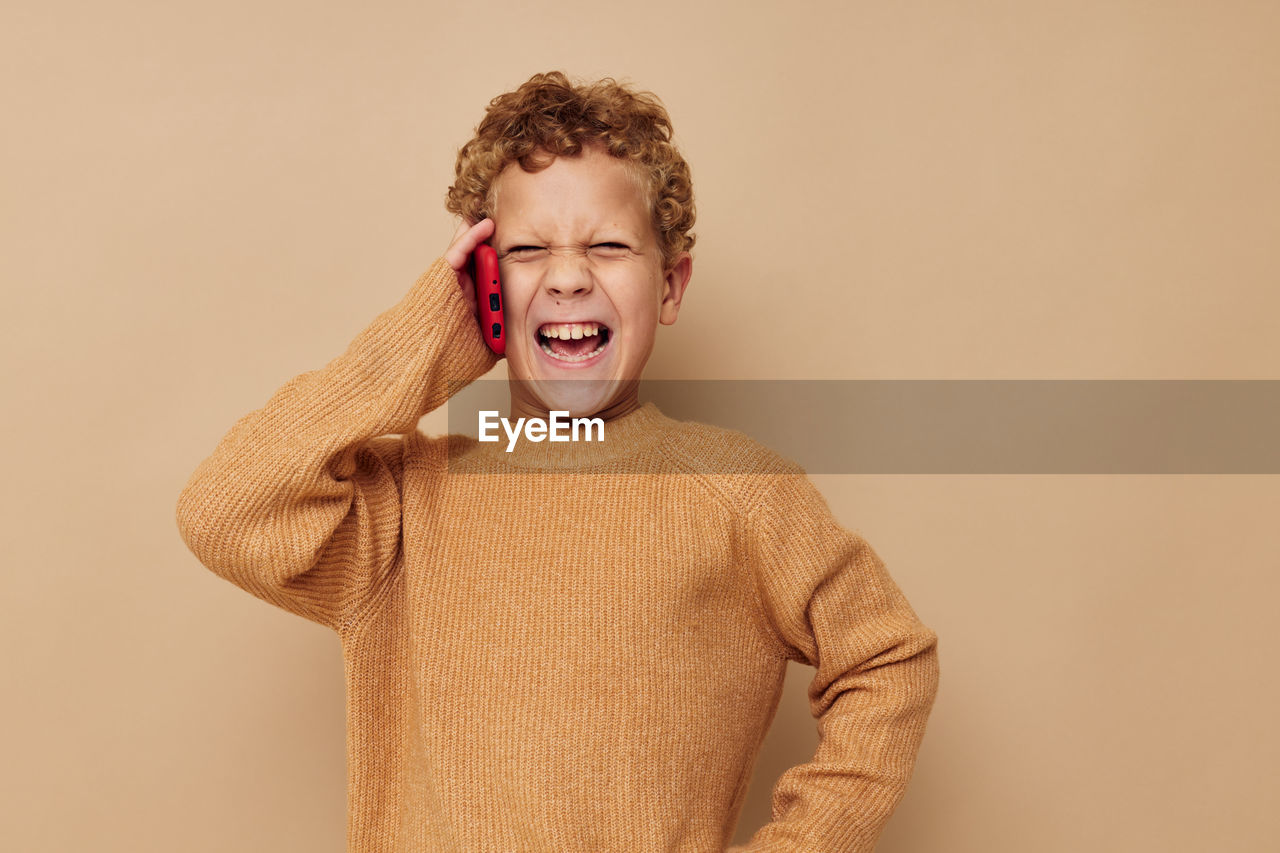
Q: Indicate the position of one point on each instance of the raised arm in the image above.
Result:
(833, 606)
(299, 504)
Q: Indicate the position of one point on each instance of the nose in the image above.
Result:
(568, 274)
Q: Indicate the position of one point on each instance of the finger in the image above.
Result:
(466, 239)
(452, 253)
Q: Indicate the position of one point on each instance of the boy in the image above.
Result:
(565, 646)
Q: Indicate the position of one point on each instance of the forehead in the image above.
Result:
(574, 194)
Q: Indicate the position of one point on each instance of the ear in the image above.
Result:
(674, 282)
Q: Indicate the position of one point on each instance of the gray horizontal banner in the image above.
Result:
(977, 426)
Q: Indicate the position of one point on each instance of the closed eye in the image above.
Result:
(608, 249)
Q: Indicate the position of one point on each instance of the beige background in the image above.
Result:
(204, 200)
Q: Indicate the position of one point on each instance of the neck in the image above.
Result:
(526, 405)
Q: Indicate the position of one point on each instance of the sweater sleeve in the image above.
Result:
(300, 502)
(832, 605)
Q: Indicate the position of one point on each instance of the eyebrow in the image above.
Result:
(619, 235)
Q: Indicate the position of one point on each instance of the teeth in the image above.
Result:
(569, 331)
(546, 347)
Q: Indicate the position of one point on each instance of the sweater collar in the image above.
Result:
(623, 436)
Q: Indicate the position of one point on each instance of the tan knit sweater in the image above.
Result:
(572, 646)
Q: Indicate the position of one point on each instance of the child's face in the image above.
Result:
(604, 270)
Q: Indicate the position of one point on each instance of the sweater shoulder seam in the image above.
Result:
(740, 513)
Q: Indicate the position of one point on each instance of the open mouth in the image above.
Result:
(573, 342)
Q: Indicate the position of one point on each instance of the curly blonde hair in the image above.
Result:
(547, 117)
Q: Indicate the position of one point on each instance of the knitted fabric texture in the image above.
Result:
(572, 646)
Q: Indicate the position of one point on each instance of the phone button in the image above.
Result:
(493, 302)
(497, 331)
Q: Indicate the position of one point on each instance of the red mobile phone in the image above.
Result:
(489, 298)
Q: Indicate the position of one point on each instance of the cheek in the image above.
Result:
(516, 296)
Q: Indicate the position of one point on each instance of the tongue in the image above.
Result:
(580, 346)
